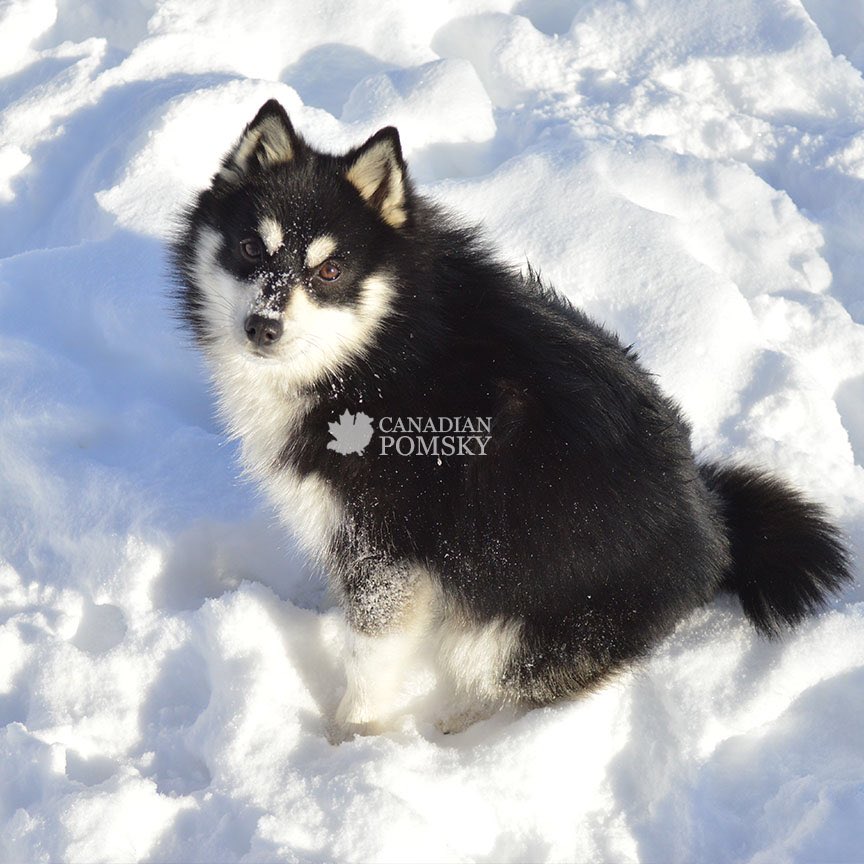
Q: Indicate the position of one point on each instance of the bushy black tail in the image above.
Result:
(787, 558)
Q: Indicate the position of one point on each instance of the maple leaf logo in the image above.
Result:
(352, 433)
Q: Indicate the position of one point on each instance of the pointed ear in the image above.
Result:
(377, 171)
(268, 140)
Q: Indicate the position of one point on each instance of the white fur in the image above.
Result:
(473, 657)
(374, 669)
(330, 335)
(308, 506)
(270, 232)
(226, 298)
(319, 250)
(261, 414)
(471, 663)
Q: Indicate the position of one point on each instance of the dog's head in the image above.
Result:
(288, 258)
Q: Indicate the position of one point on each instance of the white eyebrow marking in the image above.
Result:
(270, 232)
(319, 250)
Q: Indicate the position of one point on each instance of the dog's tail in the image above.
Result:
(787, 557)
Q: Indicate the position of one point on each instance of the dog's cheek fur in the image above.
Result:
(329, 337)
(224, 299)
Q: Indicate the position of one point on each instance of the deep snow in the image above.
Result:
(690, 172)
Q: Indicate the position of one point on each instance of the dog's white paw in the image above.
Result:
(352, 718)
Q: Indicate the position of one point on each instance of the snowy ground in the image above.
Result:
(691, 172)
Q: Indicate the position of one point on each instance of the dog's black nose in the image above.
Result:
(263, 332)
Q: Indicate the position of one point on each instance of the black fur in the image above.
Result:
(787, 557)
(588, 520)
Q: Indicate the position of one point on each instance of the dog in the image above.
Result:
(565, 531)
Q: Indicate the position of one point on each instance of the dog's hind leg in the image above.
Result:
(473, 660)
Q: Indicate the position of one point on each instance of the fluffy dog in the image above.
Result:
(567, 529)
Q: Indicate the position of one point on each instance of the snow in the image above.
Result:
(690, 172)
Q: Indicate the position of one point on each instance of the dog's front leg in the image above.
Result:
(388, 607)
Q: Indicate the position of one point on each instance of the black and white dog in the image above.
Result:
(565, 530)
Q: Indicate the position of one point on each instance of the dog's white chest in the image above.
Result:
(264, 418)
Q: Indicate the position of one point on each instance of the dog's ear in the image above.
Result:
(377, 170)
(268, 140)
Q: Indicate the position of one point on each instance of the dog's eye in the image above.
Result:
(329, 271)
(251, 248)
